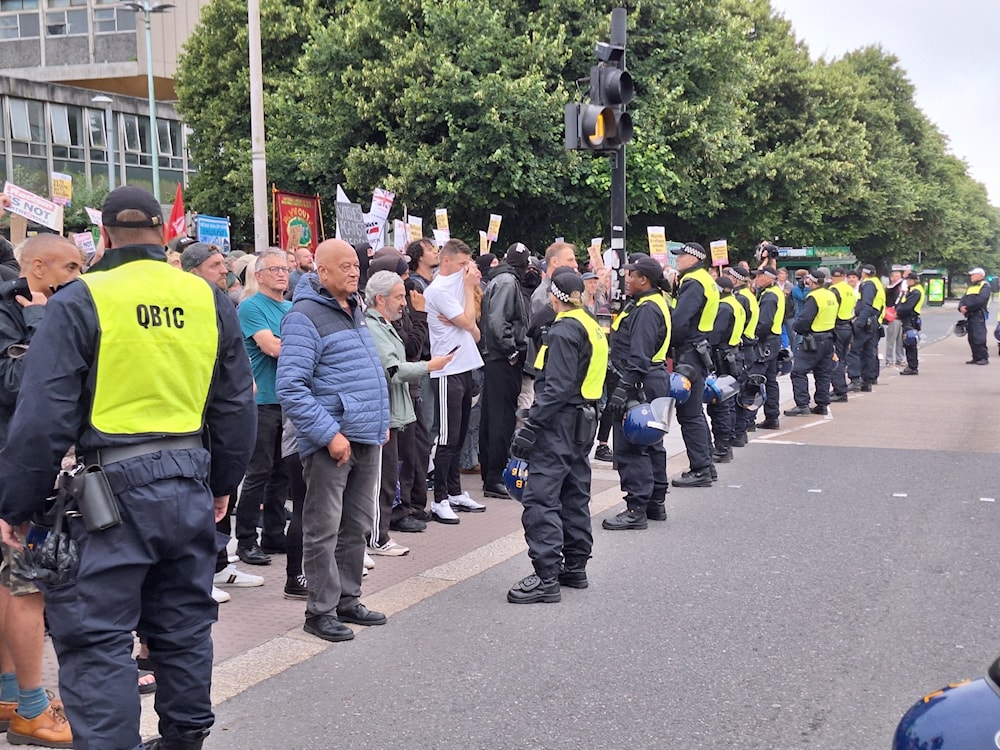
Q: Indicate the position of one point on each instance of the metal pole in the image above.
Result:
(154, 136)
(258, 160)
(619, 26)
(109, 125)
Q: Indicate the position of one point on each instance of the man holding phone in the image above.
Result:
(451, 322)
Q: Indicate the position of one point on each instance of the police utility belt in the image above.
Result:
(810, 341)
(89, 487)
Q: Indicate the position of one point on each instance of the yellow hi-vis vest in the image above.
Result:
(592, 387)
(826, 313)
(919, 291)
(658, 300)
(975, 288)
(848, 299)
(779, 315)
(711, 292)
(157, 348)
(754, 314)
(739, 316)
(879, 302)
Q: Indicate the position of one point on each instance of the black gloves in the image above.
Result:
(616, 404)
(523, 441)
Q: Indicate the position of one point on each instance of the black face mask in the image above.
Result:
(532, 278)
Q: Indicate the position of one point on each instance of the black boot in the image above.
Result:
(820, 409)
(722, 455)
(656, 509)
(574, 574)
(769, 424)
(534, 589)
(855, 385)
(627, 520)
(740, 440)
(192, 740)
(693, 478)
(797, 411)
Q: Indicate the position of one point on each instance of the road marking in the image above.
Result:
(779, 442)
(988, 499)
(734, 486)
(899, 494)
(814, 490)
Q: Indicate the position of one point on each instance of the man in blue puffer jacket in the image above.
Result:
(332, 387)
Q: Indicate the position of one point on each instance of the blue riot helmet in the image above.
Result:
(680, 387)
(515, 477)
(753, 394)
(718, 390)
(784, 361)
(911, 337)
(961, 327)
(961, 716)
(646, 424)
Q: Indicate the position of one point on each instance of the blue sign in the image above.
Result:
(214, 230)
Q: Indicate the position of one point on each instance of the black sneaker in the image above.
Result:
(626, 520)
(296, 588)
(532, 590)
(701, 478)
(603, 453)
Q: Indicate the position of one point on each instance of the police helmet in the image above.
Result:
(646, 424)
(961, 327)
(784, 360)
(515, 477)
(753, 394)
(718, 390)
(680, 387)
(962, 715)
(911, 337)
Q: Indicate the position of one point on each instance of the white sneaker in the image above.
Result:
(443, 513)
(389, 549)
(220, 596)
(364, 572)
(230, 576)
(369, 563)
(465, 503)
(231, 550)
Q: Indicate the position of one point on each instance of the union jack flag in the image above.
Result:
(381, 203)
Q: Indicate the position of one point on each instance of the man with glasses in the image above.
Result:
(266, 482)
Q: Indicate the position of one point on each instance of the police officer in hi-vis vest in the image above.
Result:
(869, 313)
(555, 440)
(693, 318)
(765, 362)
(843, 332)
(908, 311)
(143, 369)
(815, 350)
(973, 306)
(726, 338)
(640, 337)
(742, 293)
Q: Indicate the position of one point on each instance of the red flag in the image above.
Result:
(177, 226)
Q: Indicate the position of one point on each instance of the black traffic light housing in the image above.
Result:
(603, 125)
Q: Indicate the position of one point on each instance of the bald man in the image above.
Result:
(333, 390)
(47, 263)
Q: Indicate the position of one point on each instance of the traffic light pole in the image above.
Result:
(619, 35)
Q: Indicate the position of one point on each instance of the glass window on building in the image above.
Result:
(27, 127)
(98, 139)
(19, 26)
(6, 5)
(138, 148)
(111, 20)
(66, 3)
(171, 146)
(66, 23)
(67, 132)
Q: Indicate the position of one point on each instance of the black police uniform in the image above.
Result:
(641, 333)
(976, 301)
(868, 330)
(17, 326)
(908, 308)
(743, 417)
(815, 350)
(153, 572)
(766, 355)
(556, 499)
(688, 342)
(843, 335)
(728, 361)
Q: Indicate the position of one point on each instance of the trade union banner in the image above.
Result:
(296, 220)
(34, 207)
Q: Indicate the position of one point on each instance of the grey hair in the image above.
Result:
(382, 283)
(270, 253)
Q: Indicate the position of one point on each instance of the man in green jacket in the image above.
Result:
(385, 296)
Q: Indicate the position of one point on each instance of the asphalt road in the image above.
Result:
(822, 586)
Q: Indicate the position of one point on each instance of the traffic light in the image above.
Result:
(603, 124)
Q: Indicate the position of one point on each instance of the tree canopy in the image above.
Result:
(458, 104)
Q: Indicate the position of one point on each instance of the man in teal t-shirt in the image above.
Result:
(266, 481)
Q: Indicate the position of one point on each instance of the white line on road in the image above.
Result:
(988, 499)
(899, 494)
(814, 490)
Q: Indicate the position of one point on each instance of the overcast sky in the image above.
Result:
(950, 51)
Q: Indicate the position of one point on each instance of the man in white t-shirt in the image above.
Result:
(451, 322)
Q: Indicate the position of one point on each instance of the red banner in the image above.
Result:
(297, 220)
(177, 226)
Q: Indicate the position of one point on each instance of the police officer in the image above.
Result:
(908, 308)
(725, 338)
(772, 315)
(556, 439)
(640, 337)
(815, 349)
(869, 312)
(843, 332)
(973, 306)
(742, 293)
(693, 319)
(172, 437)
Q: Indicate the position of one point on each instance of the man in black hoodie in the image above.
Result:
(504, 325)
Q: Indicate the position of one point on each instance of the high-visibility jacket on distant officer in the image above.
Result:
(847, 299)
(641, 335)
(571, 365)
(133, 351)
(696, 307)
(730, 322)
(910, 304)
(871, 301)
(819, 313)
(772, 311)
(748, 300)
(976, 298)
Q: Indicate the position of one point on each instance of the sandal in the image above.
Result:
(145, 688)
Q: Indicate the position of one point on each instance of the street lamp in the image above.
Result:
(106, 102)
(147, 8)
